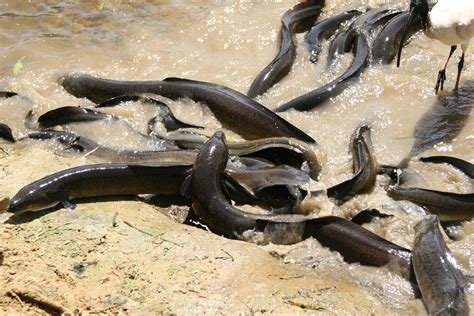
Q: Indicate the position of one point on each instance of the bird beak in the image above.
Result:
(414, 13)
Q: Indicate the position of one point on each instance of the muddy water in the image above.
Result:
(229, 42)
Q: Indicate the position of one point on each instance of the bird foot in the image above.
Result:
(440, 81)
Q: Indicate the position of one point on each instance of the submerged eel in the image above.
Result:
(296, 20)
(167, 117)
(73, 115)
(89, 147)
(215, 210)
(233, 109)
(448, 206)
(440, 280)
(342, 43)
(324, 30)
(364, 167)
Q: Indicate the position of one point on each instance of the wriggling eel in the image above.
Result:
(166, 116)
(361, 49)
(466, 167)
(364, 167)
(70, 114)
(215, 210)
(440, 279)
(386, 44)
(324, 30)
(89, 147)
(246, 177)
(296, 20)
(448, 206)
(233, 109)
(280, 150)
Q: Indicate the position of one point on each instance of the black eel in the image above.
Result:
(448, 206)
(463, 165)
(6, 133)
(439, 277)
(70, 114)
(324, 30)
(364, 168)
(98, 180)
(166, 116)
(386, 45)
(214, 209)
(233, 109)
(296, 20)
(361, 49)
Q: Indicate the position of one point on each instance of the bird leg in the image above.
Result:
(460, 66)
(442, 72)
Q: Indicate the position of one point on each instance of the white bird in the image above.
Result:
(449, 21)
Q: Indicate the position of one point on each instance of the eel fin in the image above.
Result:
(68, 204)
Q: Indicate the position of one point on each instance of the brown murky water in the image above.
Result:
(227, 42)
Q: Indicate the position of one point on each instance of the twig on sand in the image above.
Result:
(37, 300)
(4, 151)
(227, 253)
(306, 306)
(139, 229)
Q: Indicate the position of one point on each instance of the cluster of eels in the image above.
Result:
(270, 170)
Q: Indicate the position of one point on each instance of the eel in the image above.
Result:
(357, 244)
(233, 109)
(364, 168)
(256, 177)
(103, 127)
(342, 43)
(214, 209)
(318, 96)
(466, 167)
(361, 49)
(280, 150)
(324, 30)
(448, 206)
(89, 147)
(6, 133)
(7, 94)
(440, 279)
(98, 180)
(70, 114)
(366, 216)
(386, 44)
(296, 20)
